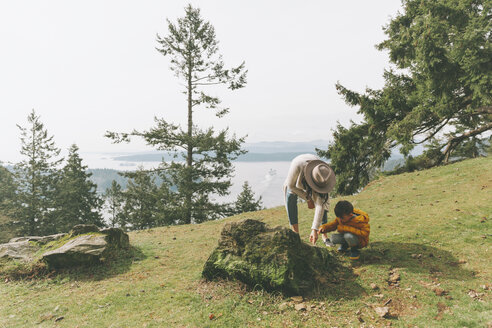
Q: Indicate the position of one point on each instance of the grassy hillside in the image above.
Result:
(432, 228)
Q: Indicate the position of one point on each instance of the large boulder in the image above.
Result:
(86, 248)
(24, 248)
(40, 240)
(273, 258)
(18, 250)
(80, 229)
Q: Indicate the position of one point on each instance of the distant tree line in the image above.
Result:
(46, 194)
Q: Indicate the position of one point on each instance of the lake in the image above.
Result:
(265, 178)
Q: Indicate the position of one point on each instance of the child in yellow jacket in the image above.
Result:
(352, 226)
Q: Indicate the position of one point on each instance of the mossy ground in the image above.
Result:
(432, 228)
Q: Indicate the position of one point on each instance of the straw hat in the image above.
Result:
(319, 176)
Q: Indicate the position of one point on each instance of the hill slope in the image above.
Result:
(432, 228)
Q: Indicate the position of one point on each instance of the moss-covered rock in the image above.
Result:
(273, 258)
(86, 249)
(81, 229)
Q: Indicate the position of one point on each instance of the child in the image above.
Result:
(353, 227)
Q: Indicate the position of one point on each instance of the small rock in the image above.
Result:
(297, 298)
(374, 286)
(462, 261)
(300, 307)
(394, 278)
(283, 306)
(382, 311)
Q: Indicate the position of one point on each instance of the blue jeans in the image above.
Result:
(345, 238)
(291, 207)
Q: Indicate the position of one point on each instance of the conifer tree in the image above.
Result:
(7, 189)
(7, 197)
(438, 93)
(205, 168)
(35, 177)
(76, 198)
(114, 200)
(246, 200)
(140, 209)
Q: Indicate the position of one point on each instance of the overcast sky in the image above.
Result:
(90, 66)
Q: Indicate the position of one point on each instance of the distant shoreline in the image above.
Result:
(248, 157)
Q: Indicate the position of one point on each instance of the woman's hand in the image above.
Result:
(314, 236)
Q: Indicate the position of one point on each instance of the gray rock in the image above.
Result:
(20, 250)
(81, 229)
(82, 250)
(87, 246)
(116, 237)
(40, 240)
(273, 258)
(86, 249)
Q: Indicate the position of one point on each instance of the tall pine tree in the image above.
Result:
(35, 177)
(205, 169)
(76, 199)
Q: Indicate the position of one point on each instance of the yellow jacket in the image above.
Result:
(358, 225)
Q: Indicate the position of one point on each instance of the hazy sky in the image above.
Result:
(90, 66)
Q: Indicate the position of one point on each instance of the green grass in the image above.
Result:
(433, 227)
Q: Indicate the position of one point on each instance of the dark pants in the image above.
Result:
(291, 207)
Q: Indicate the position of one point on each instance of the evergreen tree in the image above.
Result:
(35, 177)
(113, 197)
(246, 200)
(7, 197)
(206, 168)
(439, 93)
(140, 209)
(7, 189)
(76, 199)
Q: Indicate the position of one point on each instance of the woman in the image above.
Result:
(311, 179)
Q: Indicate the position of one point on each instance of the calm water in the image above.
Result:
(265, 178)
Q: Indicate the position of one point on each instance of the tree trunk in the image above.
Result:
(455, 141)
(189, 157)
